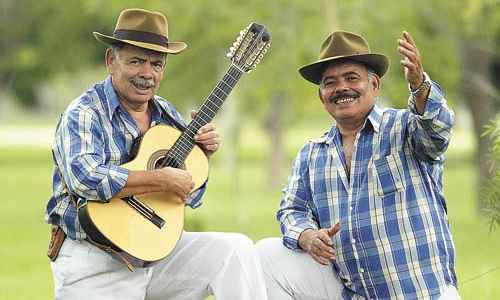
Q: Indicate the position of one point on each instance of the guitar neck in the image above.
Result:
(212, 104)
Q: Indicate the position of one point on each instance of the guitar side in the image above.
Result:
(124, 226)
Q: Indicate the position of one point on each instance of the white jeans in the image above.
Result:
(222, 264)
(295, 275)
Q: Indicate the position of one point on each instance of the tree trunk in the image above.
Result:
(478, 92)
(274, 127)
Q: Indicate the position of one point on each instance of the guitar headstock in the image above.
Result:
(250, 47)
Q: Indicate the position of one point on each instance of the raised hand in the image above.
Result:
(318, 243)
(412, 63)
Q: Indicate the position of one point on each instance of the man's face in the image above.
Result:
(348, 92)
(136, 73)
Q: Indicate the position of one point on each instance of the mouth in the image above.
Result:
(344, 100)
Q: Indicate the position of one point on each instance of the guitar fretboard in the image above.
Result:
(185, 143)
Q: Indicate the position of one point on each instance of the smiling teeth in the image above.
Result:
(345, 100)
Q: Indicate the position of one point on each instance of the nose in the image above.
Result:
(146, 71)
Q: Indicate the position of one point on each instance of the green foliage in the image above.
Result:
(492, 191)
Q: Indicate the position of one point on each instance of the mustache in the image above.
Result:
(143, 83)
(350, 94)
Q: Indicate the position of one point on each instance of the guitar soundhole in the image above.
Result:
(162, 159)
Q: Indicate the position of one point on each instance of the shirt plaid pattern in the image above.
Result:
(395, 240)
(95, 135)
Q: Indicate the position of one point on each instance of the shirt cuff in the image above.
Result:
(291, 238)
(194, 199)
(433, 103)
(115, 179)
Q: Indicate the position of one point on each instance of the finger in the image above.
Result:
(212, 147)
(405, 44)
(324, 237)
(334, 229)
(408, 37)
(207, 137)
(193, 114)
(411, 66)
(324, 244)
(320, 259)
(206, 128)
(412, 56)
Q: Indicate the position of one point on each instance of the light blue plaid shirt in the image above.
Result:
(394, 240)
(95, 135)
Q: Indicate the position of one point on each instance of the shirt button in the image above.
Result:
(353, 241)
(362, 270)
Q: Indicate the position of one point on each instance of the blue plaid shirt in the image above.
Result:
(95, 135)
(394, 240)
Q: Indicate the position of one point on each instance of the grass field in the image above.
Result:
(240, 201)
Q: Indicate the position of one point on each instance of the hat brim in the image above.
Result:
(314, 71)
(172, 48)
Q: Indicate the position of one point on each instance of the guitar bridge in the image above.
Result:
(145, 211)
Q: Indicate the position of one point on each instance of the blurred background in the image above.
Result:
(49, 57)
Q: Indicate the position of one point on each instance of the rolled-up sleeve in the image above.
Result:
(80, 147)
(295, 214)
(430, 132)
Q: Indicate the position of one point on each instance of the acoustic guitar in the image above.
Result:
(148, 226)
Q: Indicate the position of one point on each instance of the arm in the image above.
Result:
(295, 214)
(81, 150)
(430, 120)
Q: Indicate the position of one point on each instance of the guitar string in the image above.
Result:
(186, 146)
(183, 149)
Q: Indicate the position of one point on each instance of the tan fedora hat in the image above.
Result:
(344, 45)
(144, 29)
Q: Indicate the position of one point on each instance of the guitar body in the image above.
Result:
(119, 225)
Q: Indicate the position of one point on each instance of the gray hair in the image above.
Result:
(115, 49)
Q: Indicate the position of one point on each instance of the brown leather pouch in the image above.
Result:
(56, 241)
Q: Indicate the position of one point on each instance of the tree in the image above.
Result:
(492, 190)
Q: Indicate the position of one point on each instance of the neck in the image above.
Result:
(350, 128)
(134, 108)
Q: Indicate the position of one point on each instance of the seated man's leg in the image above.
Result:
(83, 271)
(295, 275)
(223, 264)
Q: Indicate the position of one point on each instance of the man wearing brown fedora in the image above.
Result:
(363, 214)
(94, 137)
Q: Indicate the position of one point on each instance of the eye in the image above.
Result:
(351, 78)
(158, 66)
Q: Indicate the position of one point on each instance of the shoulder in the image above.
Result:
(85, 107)
(167, 107)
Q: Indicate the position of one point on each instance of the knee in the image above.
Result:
(269, 248)
(236, 242)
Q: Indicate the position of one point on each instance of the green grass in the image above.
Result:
(239, 201)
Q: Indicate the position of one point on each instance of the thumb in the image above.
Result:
(334, 229)
(193, 114)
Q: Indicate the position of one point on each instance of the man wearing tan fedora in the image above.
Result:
(94, 137)
(363, 214)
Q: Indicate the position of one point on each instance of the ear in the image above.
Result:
(375, 84)
(320, 96)
(110, 60)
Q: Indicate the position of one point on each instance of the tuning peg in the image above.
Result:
(229, 54)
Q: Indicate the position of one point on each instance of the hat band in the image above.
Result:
(141, 36)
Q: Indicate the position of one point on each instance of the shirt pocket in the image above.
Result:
(388, 175)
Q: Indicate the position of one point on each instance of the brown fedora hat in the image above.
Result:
(144, 29)
(344, 45)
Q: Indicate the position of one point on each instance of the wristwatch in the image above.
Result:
(424, 86)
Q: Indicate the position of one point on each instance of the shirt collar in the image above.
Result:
(374, 118)
(111, 96)
(114, 103)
